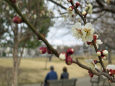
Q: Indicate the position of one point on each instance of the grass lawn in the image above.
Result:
(33, 70)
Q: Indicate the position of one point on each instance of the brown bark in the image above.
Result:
(15, 58)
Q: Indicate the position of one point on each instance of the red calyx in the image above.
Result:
(43, 50)
(68, 60)
(72, 7)
(102, 54)
(77, 4)
(13, 1)
(17, 20)
(94, 38)
(69, 0)
(111, 72)
(70, 51)
(89, 43)
(90, 73)
(95, 61)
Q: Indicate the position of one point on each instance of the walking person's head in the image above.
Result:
(51, 68)
(64, 69)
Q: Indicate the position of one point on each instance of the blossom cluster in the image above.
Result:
(67, 56)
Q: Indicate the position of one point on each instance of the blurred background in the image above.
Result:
(20, 58)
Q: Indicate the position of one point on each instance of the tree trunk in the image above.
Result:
(15, 58)
(109, 57)
(15, 65)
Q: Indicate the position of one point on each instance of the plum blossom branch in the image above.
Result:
(81, 31)
(69, 51)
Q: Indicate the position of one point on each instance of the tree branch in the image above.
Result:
(38, 34)
(105, 7)
(58, 4)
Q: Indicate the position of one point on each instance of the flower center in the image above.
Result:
(79, 31)
(87, 31)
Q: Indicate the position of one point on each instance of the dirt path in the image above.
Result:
(85, 81)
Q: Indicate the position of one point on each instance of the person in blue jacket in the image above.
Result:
(52, 75)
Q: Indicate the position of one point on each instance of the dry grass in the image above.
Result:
(34, 70)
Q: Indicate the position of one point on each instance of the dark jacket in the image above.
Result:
(52, 75)
(64, 75)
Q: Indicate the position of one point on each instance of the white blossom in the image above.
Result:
(62, 56)
(77, 30)
(83, 32)
(88, 32)
(98, 42)
(98, 53)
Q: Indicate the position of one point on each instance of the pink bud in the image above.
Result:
(13, 1)
(68, 60)
(71, 8)
(70, 51)
(43, 50)
(17, 20)
(77, 4)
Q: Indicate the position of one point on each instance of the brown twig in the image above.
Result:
(78, 12)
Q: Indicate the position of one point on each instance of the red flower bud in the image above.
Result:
(43, 50)
(68, 60)
(77, 4)
(70, 51)
(111, 72)
(17, 20)
(91, 75)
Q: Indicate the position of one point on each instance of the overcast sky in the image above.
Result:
(59, 33)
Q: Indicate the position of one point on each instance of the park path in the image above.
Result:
(85, 81)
